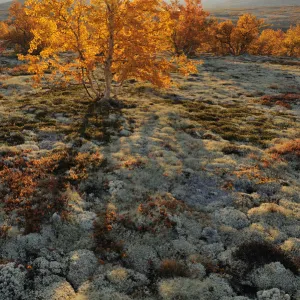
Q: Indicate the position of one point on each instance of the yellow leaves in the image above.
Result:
(226, 37)
(185, 66)
(188, 26)
(292, 41)
(270, 42)
(4, 29)
(119, 37)
(278, 43)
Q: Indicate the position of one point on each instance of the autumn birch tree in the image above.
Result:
(189, 25)
(105, 39)
(292, 41)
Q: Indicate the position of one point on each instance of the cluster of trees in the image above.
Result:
(141, 39)
(248, 36)
(190, 30)
(278, 43)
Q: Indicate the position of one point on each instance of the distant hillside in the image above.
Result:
(218, 4)
(281, 17)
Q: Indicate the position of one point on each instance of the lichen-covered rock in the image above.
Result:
(275, 275)
(82, 264)
(212, 288)
(231, 217)
(12, 281)
(273, 294)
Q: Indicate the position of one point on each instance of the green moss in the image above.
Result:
(233, 122)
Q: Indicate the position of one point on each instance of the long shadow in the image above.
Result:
(96, 124)
(250, 74)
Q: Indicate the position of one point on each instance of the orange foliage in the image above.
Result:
(228, 38)
(292, 41)
(189, 26)
(33, 188)
(288, 148)
(28, 184)
(17, 31)
(114, 39)
(270, 42)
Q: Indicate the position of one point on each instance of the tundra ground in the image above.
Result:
(187, 193)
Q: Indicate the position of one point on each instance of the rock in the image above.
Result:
(231, 217)
(273, 294)
(82, 264)
(12, 281)
(275, 275)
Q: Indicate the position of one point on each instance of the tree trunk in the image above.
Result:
(108, 80)
(111, 42)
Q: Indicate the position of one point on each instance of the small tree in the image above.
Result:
(270, 42)
(246, 32)
(292, 41)
(235, 39)
(189, 25)
(110, 39)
